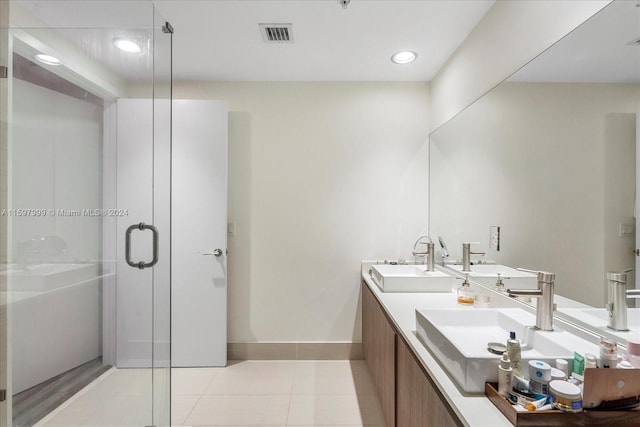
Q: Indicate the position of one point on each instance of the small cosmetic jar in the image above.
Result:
(565, 396)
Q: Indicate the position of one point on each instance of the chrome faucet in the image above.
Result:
(544, 293)
(444, 253)
(617, 301)
(429, 254)
(466, 256)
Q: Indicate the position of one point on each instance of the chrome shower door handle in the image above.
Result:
(127, 246)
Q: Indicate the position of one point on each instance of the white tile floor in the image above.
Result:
(119, 398)
(276, 393)
(247, 393)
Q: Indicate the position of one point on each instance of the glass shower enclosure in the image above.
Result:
(85, 192)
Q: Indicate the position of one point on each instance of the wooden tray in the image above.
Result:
(557, 418)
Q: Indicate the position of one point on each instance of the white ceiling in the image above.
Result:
(596, 52)
(219, 40)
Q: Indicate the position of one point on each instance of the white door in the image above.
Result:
(199, 234)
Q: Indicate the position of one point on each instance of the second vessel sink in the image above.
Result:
(487, 274)
(47, 277)
(410, 278)
(458, 338)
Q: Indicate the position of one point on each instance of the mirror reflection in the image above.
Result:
(541, 172)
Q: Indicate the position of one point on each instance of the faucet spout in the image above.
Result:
(544, 293)
(429, 253)
(466, 256)
(617, 300)
(525, 292)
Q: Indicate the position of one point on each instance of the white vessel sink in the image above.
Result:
(45, 277)
(458, 338)
(411, 278)
(487, 274)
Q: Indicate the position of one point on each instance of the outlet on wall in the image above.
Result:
(494, 237)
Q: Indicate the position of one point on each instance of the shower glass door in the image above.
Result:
(85, 193)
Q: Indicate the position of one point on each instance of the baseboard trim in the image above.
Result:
(295, 351)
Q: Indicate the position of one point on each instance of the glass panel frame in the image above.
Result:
(90, 70)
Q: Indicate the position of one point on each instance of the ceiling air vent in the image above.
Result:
(277, 33)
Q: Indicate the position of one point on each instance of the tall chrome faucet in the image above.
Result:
(428, 254)
(544, 293)
(617, 300)
(466, 256)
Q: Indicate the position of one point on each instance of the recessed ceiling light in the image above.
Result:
(48, 59)
(127, 45)
(404, 57)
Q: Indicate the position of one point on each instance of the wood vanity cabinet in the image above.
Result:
(379, 347)
(418, 402)
(407, 395)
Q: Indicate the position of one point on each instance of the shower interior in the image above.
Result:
(72, 309)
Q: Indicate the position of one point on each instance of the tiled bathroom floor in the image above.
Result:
(245, 393)
(276, 393)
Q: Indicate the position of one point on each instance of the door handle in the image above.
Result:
(127, 246)
(216, 252)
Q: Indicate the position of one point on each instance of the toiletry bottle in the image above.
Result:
(515, 354)
(563, 365)
(590, 361)
(557, 374)
(578, 363)
(539, 377)
(633, 352)
(466, 295)
(608, 353)
(504, 375)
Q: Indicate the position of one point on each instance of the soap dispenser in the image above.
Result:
(466, 295)
(499, 287)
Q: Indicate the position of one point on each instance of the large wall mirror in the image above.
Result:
(549, 156)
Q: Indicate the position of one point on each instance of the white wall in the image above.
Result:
(554, 166)
(56, 164)
(321, 176)
(511, 34)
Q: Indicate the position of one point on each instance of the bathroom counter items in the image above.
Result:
(470, 410)
(600, 386)
(415, 389)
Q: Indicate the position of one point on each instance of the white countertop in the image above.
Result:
(472, 410)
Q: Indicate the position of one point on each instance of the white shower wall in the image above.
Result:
(55, 164)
